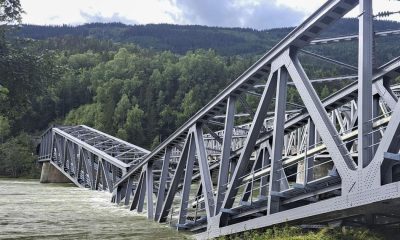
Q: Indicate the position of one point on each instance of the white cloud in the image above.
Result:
(240, 13)
(69, 11)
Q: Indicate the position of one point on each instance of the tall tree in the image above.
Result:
(10, 11)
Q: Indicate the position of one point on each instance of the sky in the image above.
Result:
(258, 14)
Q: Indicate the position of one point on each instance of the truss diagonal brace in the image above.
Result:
(226, 151)
(381, 87)
(250, 142)
(337, 150)
(389, 143)
(179, 171)
(206, 182)
(163, 181)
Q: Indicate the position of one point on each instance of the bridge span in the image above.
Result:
(317, 161)
(87, 157)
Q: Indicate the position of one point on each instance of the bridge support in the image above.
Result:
(50, 174)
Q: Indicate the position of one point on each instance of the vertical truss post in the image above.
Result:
(91, 170)
(139, 187)
(334, 120)
(58, 149)
(277, 144)
(73, 161)
(79, 165)
(365, 84)
(85, 167)
(149, 189)
(98, 173)
(265, 162)
(175, 181)
(69, 157)
(64, 144)
(52, 145)
(198, 196)
(226, 152)
(142, 193)
(305, 169)
(187, 182)
(47, 150)
(206, 181)
(232, 167)
(120, 191)
(309, 161)
(163, 181)
(106, 175)
(88, 167)
(114, 173)
(328, 133)
(375, 113)
(128, 191)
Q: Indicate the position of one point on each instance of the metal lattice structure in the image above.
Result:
(315, 162)
(88, 157)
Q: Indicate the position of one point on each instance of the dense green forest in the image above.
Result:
(138, 83)
(180, 39)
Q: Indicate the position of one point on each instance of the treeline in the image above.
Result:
(22, 75)
(180, 38)
(27, 81)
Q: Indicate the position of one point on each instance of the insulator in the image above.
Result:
(386, 13)
(383, 14)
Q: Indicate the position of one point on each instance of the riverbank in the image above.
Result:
(294, 233)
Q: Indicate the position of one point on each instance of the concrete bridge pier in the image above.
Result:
(50, 174)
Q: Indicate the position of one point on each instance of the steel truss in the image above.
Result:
(88, 157)
(316, 162)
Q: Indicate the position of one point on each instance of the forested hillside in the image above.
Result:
(138, 83)
(180, 39)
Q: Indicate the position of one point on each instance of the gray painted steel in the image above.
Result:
(89, 157)
(316, 162)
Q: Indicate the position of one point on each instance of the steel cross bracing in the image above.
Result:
(310, 162)
(88, 157)
(290, 163)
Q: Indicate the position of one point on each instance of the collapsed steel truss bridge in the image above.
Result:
(314, 162)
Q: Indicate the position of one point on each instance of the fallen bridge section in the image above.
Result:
(85, 156)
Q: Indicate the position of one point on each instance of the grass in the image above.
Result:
(295, 233)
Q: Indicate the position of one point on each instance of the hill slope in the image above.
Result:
(180, 39)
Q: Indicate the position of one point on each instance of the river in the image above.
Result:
(30, 210)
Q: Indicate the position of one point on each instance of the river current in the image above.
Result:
(30, 210)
